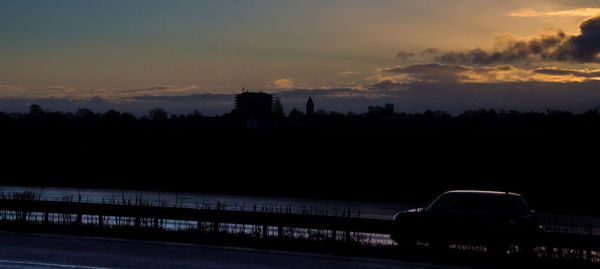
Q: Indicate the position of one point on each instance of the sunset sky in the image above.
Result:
(183, 55)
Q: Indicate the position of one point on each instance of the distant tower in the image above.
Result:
(254, 104)
(310, 107)
(389, 108)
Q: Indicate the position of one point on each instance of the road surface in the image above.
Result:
(59, 251)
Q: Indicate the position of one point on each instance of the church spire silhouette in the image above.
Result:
(310, 107)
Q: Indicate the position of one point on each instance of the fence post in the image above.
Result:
(22, 216)
(79, 219)
(100, 221)
(265, 231)
(46, 220)
(137, 222)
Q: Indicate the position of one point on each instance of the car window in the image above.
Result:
(446, 202)
(478, 202)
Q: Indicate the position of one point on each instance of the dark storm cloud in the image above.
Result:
(583, 47)
(514, 50)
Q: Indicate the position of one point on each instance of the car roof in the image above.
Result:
(493, 193)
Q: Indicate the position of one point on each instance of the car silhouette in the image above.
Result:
(496, 220)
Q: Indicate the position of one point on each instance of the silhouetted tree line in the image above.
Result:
(471, 122)
(549, 156)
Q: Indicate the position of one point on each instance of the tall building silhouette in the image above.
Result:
(387, 110)
(277, 108)
(310, 107)
(254, 104)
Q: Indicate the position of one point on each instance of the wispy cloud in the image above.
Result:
(12, 91)
(444, 73)
(404, 56)
(282, 83)
(575, 73)
(430, 52)
(45, 92)
(577, 12)
(461, 74)
(433, 72)
(159, 90)
(348, 73)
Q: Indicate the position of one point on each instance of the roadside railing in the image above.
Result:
(157, 217)
(265, 224)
